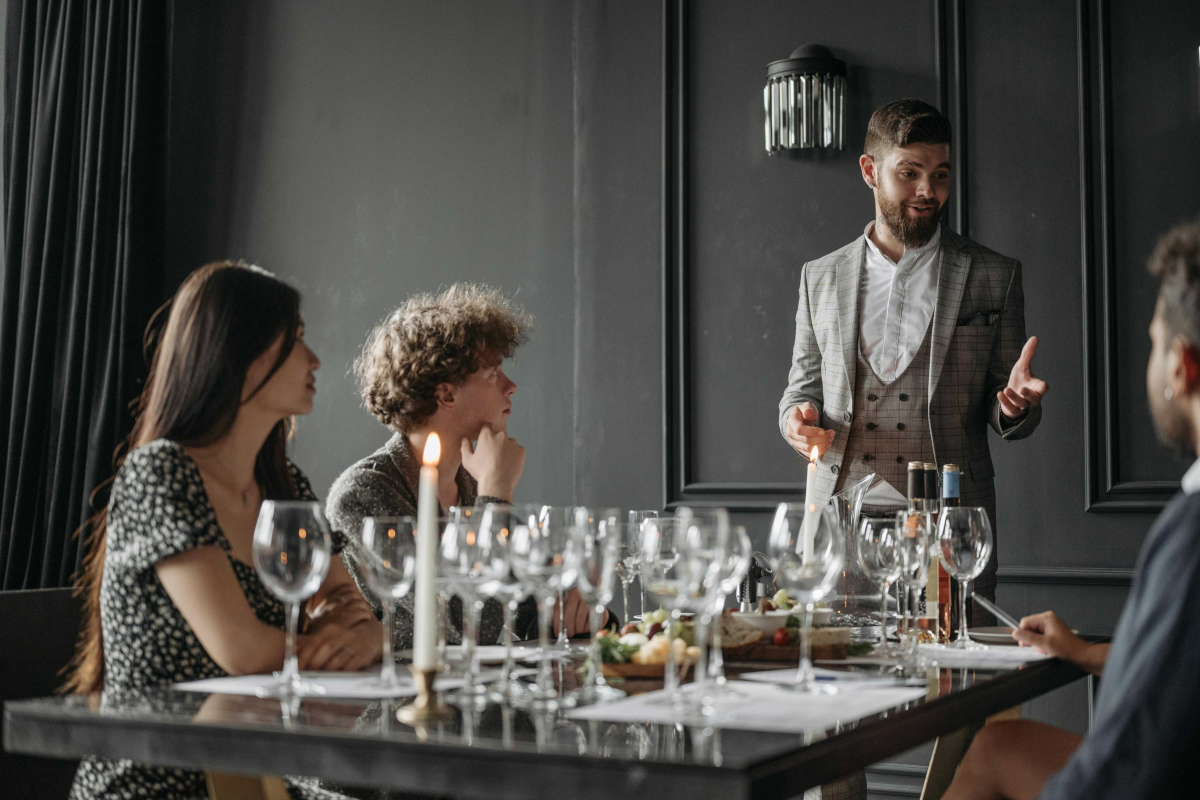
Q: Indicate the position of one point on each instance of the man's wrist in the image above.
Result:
(497, 490)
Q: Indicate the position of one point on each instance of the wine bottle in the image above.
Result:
(951, 481)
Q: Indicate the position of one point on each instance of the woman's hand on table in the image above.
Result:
(576, 615)
(1048, 634)
(335, 648)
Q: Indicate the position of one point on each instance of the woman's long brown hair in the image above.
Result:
(223, 317)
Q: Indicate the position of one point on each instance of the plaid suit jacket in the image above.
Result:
(978, 332)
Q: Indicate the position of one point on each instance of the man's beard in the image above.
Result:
(911, 231)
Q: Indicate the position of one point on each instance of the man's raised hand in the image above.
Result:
(1023, 391)
(803, 433)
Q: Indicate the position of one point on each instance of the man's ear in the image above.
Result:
(867, 165)
(1187, 364)
(446, 395)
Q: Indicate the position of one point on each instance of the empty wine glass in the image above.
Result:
(913, 542)
(879, 557)
(598, 555)
(807, 552)
(388, 566)
(964, 542)
(545, 549)
(292, 550)
(733, 569)
(476, 561)
(636, 518)
(627, 564)
(704, 539)
(499, 520)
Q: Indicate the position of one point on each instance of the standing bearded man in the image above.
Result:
(910, 340)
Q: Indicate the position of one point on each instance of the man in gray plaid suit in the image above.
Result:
(910, 340)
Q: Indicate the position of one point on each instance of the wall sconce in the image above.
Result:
(804, 100)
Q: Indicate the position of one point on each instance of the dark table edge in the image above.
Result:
(507, 773)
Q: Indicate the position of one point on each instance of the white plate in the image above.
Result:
(772, 621)
(996, 634)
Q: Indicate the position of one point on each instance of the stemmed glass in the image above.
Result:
(964, 541)
(476, 561)
(598, 556)
(498, 520)
(733, 569)
(664, 576)
(704, 545)
(879, 557)
(913, 542)
(389, 566)
(292, 550)
(630, 557)
(636, 518)
(545, 549)
(807, 551)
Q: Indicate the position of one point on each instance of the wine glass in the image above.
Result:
(545, 547)
(733, 569)
(636, 518)
(388, 566)
(499, 520)
(704, 546)
(964, 542)
(476, 561)
(807, 552)
(913, 542)
(292, 550)
(598, 556)
(627, 564)
(879, 557)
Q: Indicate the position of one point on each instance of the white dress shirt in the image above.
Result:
(895, 304)
(1191, 478)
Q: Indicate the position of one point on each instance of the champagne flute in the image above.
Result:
(880, 559)
(627, 565)
(389, 566)
(545, 557)
(292, 550)
(807, 551)
(964, 542)
(913, 542)
(636, 518)
(598, 556)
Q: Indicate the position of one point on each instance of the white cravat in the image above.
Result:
(896, 304)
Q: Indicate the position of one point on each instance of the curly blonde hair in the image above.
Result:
(431, 340)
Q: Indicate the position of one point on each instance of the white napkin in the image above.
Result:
(998, 657)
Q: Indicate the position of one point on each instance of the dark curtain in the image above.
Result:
(84, 154)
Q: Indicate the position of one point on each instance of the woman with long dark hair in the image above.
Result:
(169, 587)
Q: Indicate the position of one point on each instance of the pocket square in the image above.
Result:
(981, 318)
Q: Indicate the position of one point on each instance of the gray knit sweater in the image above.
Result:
(385, 484)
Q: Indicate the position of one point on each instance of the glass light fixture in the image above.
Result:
(804, 101)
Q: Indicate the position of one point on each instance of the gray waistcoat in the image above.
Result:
(891, 427)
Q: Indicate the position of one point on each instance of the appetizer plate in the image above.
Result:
(771, 621)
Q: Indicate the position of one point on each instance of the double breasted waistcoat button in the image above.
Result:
(871, 426)
(872, 398)
(900, 459)
(899, 426)
(903, 397)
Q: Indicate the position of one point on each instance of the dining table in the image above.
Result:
(504, 751)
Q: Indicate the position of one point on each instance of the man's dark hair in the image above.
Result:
(904, 122)
(1176, 262)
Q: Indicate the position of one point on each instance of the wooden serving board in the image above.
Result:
(763, 651)
(654, 671)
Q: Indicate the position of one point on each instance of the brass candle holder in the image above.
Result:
(428, 707)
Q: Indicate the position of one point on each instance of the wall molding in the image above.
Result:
(678, 486)
(1103, 488)
(1066, 576)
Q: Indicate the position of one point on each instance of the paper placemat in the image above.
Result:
(756, 707)
(844, 681)
(999, 657)
(341, 685)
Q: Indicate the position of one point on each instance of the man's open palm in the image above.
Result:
(1023, 391)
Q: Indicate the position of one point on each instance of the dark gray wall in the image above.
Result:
(372, 149)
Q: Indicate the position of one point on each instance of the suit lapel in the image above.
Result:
(849, 275)
(954, 267)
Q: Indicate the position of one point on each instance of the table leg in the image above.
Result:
(948, 751)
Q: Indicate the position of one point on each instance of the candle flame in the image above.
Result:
(433, 450)
(815, 455)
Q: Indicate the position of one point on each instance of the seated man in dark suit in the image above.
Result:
(1147, 724)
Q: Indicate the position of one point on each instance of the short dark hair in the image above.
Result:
(431, 340)
(904, 122)
(1176, 262)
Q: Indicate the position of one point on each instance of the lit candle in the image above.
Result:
(810, 507)
(425, 626)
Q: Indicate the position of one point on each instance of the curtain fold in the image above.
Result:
(84, 154)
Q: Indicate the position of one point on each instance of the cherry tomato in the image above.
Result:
(783, 637)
